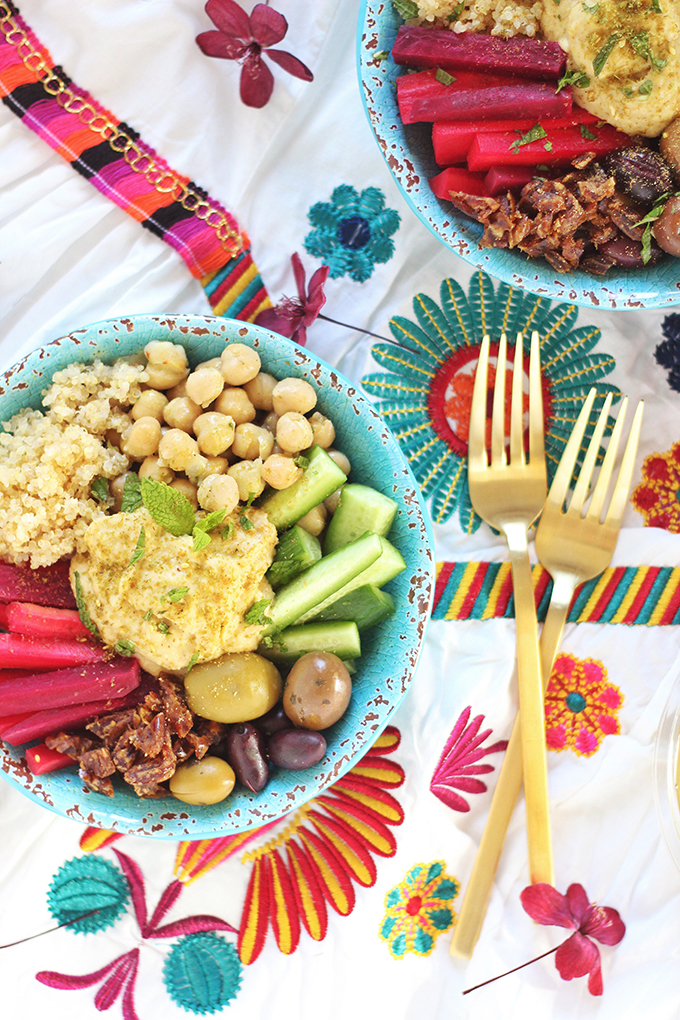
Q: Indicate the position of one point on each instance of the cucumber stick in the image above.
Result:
(366, 606)
(323, 581)
(296, 551)
(321, 477)
(360, 509)
(340, 638)
(388, 565)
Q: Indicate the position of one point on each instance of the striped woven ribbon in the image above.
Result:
(630, 595)
(111, 155)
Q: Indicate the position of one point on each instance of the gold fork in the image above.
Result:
(509, 494)
(573, 548)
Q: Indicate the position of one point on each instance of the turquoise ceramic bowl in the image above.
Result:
(407, 150)
(390, 652)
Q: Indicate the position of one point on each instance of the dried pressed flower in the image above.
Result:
(292, 316)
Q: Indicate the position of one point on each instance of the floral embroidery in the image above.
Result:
(456, 766)
(656, 497)
(202, 972)
(352, 232)
(84, 884)
(667, 353)
(425, 393)
(581, 706)
(418, 910)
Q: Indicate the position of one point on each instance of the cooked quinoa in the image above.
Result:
(497, 17)
(49, 461)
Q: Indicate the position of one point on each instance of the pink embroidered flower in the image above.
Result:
(656, 497)
(579, 955)
(581, 706)
(293, 315)
(243, 38)
(457, 764)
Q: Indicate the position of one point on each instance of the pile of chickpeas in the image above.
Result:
(223, 432)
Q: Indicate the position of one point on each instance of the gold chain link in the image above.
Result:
(160, 178)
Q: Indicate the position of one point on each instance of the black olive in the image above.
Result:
(642, 174)
(628, 253)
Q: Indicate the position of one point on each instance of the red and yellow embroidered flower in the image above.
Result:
(656, 497)
(581, 705)
(418, 910)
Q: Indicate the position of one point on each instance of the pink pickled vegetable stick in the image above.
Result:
(44, 621)
(501, 179)
(39, 725)
(41, 653)
(42, 759)
(71, 686)
(559, 145)
(424, 85)
(3, 617)
(533, 99)
(456, 178)
(451, 139)
(419, 46)
(6, 721)
(46, 586)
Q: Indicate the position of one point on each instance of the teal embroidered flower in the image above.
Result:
(352, 232)
(202, 972)
(418, 910)
(425, 394)
(88, 883)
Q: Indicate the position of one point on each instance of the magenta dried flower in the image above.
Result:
(457, 766)
(245, 38)
(292, 316)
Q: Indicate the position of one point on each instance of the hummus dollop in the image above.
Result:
(172, 606)
(629, 50)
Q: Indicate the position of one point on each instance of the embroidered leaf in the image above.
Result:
(168, 507)
(462, 749)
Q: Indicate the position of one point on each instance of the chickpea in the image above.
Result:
(116, 486)
(235, 402)
(331, 502)
(270, 422)
(280, 472)
(260, 391)
(314, 521)
(340, 459)
(181, 413)
(293, 432)
(215, 432)
(240, 364)
(187, 489)
(152, 467)
(167, 364)
(251, 441)
(323, 430)
(198, 468)
(207, 781)
(149, 405)
(293, 395)
(180, 390)
(212, 363)
(218, 465)
(177, 448)
(113, 437)
(142, 438)
(205, 385)
(218, 492)
(248, 476)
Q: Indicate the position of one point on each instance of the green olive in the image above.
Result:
(207, 781)
(235, 688)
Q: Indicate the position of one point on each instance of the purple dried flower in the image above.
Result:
(292, 316)
(456, 766)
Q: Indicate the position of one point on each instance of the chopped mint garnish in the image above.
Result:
(406, 8)
(576, 78)
(646, 87)
(124, 647)
(379, 57)
(203, 526)
(175, 594)
(604, 54)
(643, 48)
(585, 133)
(163, 626)
(456, 12)
(246, 524)
(81, 604)
(534, 134)
(139, 548)
(168, 507)
(302, 462)
(192, 662)
(147, 615)
(443, 77)
(132, 494)
(251, 496)
(99, 489)
(228, 531)
(257, 613)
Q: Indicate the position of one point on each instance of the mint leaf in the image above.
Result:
(585, 133)
(257, 613)
(201, 540)
(576, 78)
(175, 594)
(99, 489)
(302, 462)
(139, 549)
(246, 524)
(534, 134)
(379, 57)
(132, 494)
(643, 48)
(604, 54)
(646, 87)
(203, 526)
(444, 77)
(81, 604)
(406, 8)
(192, 662)
(228, 531)
(163, 626)
(124, 647)
(168, 507)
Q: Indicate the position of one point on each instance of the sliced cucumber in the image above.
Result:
(321, 477)
(366, 606)
(323, 581)
(378, 573)
(296, 551)
(340, 638)
(360, 509)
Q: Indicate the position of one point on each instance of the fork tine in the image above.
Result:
(536, 424)
(561, 482)
(607, 469)
(619, 498)
(582, 487)
(517, 406)
(498, 458)
(477, 459)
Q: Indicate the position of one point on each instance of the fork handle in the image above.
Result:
(473, 909)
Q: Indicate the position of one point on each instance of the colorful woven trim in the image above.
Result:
(122, 167)
(630, 595)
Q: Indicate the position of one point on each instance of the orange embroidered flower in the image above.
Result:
(581, 706)
(656, 497)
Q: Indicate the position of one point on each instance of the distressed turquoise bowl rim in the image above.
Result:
(407, 150)
(390, 654)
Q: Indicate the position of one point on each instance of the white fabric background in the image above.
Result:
(69, 257)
